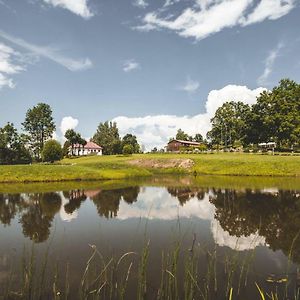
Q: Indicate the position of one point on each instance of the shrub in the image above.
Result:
(52, 151)
(127, 149)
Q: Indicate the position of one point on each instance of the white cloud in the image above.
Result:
(190, 86)
(78, 7)
(268, 9)
(155, 131)
(50, 53)
(68, 123)
(10, 64)
(242, 243)
(157, 203)
(130, 65)
(140, 3)
(67, 217)
(231, 92)
(170, 2)
(206, 17)
(269, 63)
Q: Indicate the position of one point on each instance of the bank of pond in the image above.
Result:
(146, 165)
(159, 238)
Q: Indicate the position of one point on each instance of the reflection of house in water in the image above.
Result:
(72, 201)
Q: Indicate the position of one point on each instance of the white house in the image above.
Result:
(89, 148)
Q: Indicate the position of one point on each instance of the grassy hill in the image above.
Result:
(140, 165)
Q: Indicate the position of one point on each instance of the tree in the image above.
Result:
(66, 148)
(198, 138)
(12, 146)
(181, 135)
(107, 135)
(127, 149)
(72, 137)
(229, 124)
(276, 115)
(130, 139)
(82, 142)
(40, 127)
(52, 151)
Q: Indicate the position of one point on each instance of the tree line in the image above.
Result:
(36, 143)
(275, 117)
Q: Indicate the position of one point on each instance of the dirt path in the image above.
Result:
(183, 163)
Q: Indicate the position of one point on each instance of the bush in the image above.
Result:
(127, 149)
(52, 151)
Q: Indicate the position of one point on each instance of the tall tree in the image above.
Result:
(198, 138)
(39, 125)
(52, 151)
(74, 138)
(12, 146)
(130, 139)
(181, 135)
(229, 124)
(107, 135)
(276, 115)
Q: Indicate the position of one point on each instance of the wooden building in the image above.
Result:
(177, 145)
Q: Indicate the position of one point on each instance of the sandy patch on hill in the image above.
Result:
(184, 163)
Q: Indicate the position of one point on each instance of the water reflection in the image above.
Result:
(108, 202)
(272, 214)
(185, 194)
(10, 204)
(239, 219)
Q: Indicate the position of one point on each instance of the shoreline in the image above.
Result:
(100, 168)
(93, 180)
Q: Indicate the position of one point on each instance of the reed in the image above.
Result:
(194, 273)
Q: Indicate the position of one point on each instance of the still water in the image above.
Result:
(163, 239)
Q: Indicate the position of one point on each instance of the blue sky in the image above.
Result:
(153, 66)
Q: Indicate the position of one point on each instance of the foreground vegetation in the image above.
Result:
(120, 167)
(182, 275)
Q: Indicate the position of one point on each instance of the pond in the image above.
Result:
(162, 238)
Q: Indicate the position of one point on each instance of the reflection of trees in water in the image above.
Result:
(76, 197)
(107, 202)
(276, 216)
(10, 205)
(184, 194)
(37, 210)
(38, 216)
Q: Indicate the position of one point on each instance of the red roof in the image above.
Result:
(89, 145)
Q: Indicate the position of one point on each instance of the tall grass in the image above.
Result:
(194, 273)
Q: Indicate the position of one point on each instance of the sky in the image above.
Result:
(151, 66)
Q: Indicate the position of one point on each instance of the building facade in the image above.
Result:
(89, 148)
(177, 145)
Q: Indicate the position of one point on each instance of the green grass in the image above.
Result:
(117, 167)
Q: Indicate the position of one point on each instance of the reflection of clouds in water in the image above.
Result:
(273, 191)
(67, 217)
(157, 203)
(223, 238)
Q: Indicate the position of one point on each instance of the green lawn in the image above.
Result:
(117, 167)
